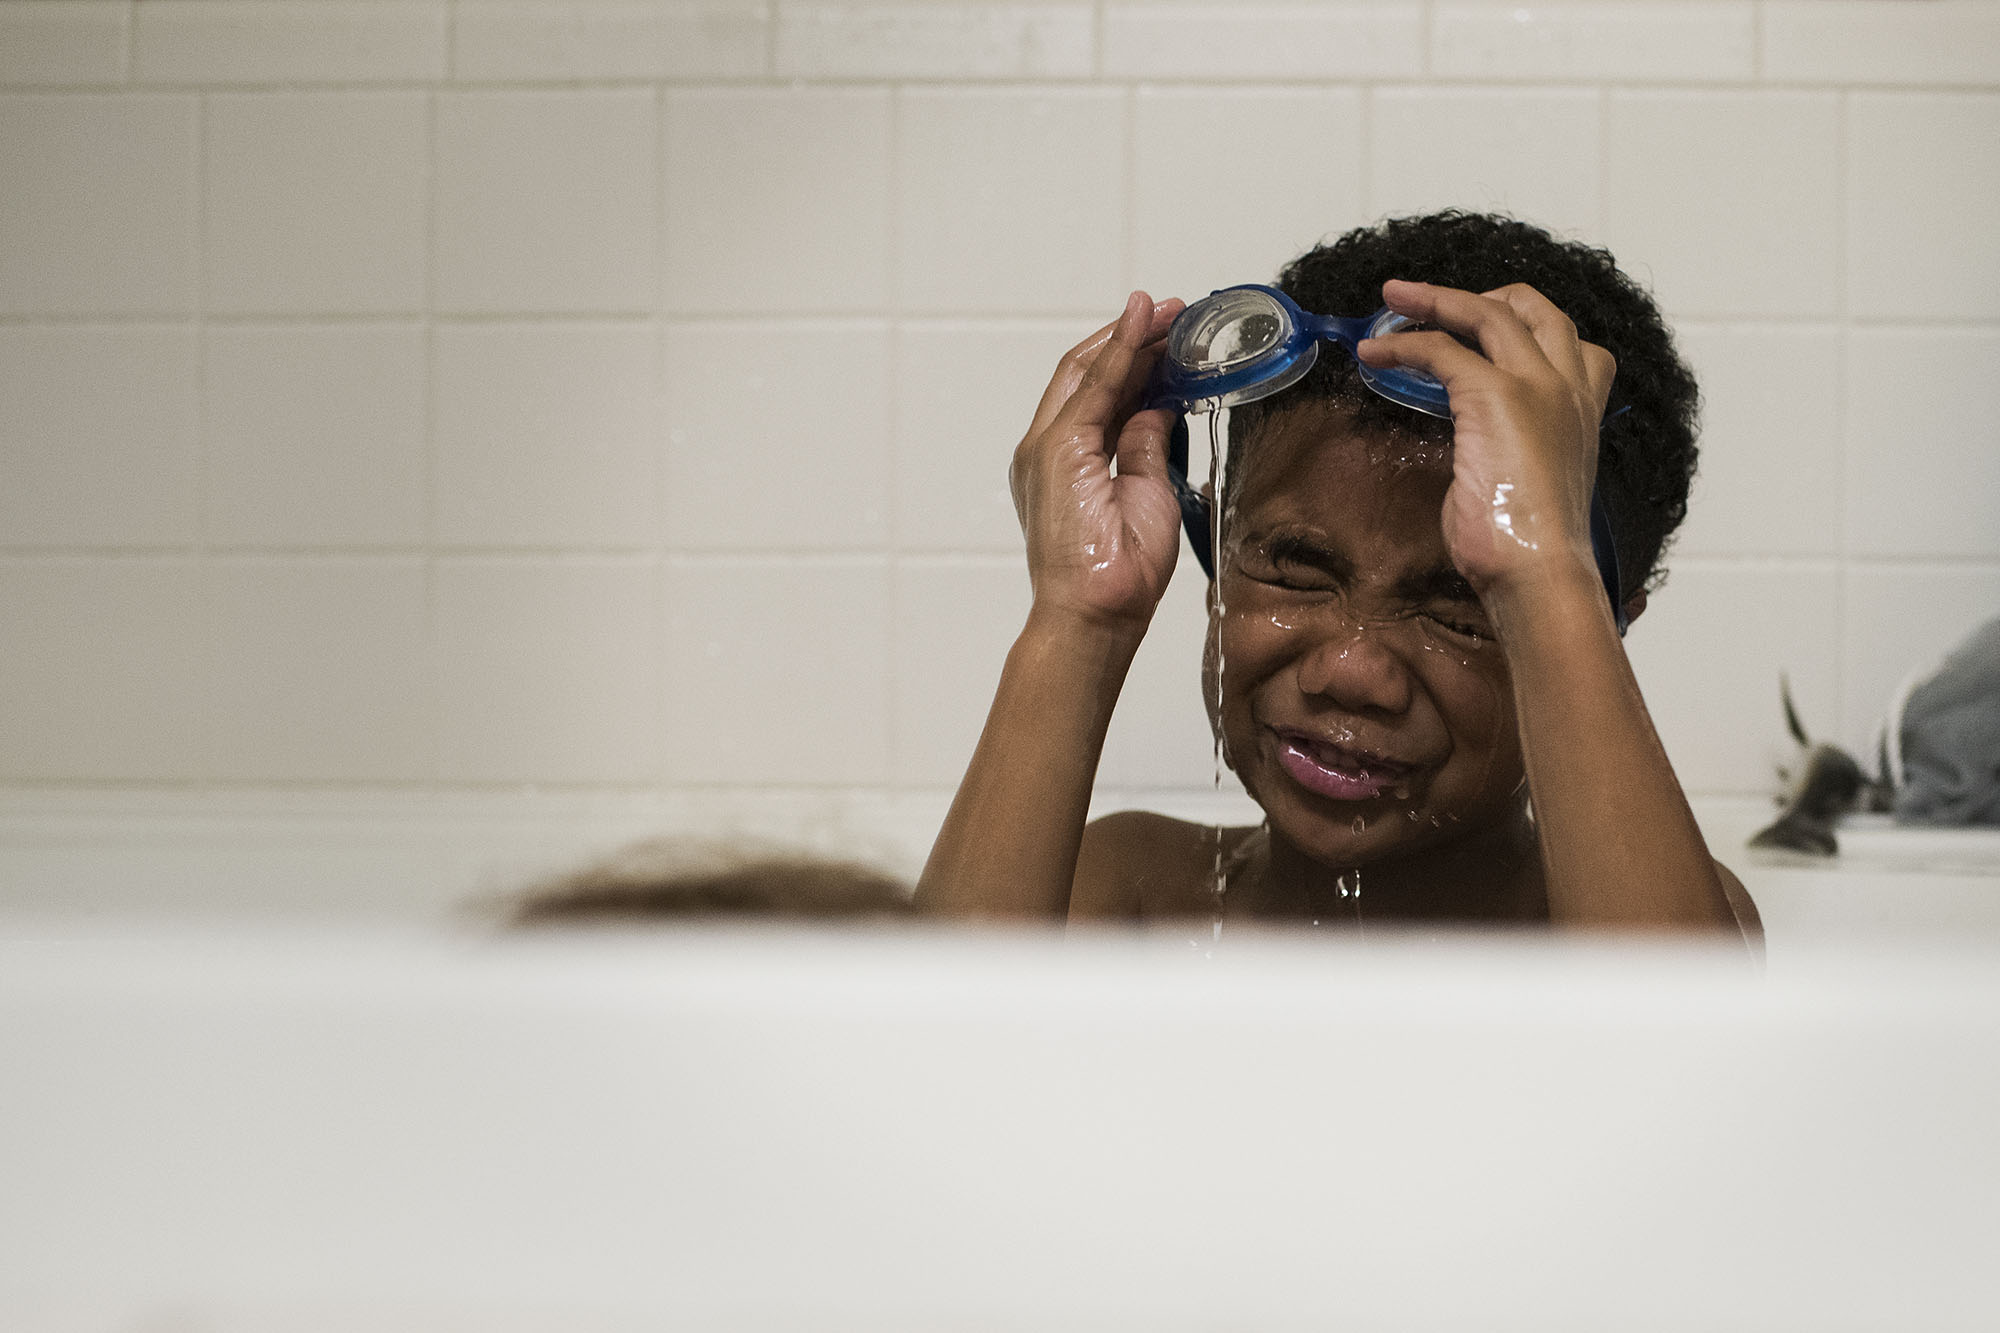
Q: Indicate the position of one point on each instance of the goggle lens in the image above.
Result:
(1228, 330)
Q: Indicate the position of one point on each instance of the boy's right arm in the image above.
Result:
(1101, 547)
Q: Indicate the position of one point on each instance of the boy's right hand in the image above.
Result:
(1101, 547)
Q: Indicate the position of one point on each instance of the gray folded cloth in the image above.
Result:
(1944, 738)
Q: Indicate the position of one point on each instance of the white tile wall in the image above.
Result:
(315, 434)
(967, 391)
(955, 621)
(315, 203)
(778, 435)
(1771, 446)
(548, 671)
(1171, 39)
(1529, 152)
(1011, 200)
(1912, 173)
(610, 39)
(1679, 40)
(98, 217)
(316, 670)
(1728, 201)
(101, 670)
(300, 41)
(620, 392)
(547, 435)
(546, 201)
(1709, 652)
(1866, 41)
(928, 40)
(1232, 182)
(100, 435)
(779, 673)
(777, 199)
(63, 41)
(1913, 487)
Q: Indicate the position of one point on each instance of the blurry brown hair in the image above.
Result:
(681, 879)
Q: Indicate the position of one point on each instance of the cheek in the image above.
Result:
(1476, 698)
(1235, 657)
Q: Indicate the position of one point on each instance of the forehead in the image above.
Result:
(1310, 466)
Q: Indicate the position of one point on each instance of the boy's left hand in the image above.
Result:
(1526, 406)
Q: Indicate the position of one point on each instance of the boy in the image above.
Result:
(1412, 663)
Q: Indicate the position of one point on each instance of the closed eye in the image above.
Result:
(1292, 561)
(1456, 620)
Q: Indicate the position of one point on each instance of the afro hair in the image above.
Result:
(1646, 458)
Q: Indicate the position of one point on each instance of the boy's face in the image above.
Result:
(1363, 700)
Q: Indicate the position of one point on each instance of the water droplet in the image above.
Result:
(1359, 825)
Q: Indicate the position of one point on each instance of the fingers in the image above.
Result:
(1436, 353)
(1493, 324)
(1600, 368)
(1142, 444)
(1078, 362)
(1551, 329)
(1517, 327)
(1069, 371)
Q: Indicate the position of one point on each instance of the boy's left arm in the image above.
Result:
(1620, 845)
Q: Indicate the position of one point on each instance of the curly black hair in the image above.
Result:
(1646, 458)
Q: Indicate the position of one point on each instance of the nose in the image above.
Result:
(1354, 667)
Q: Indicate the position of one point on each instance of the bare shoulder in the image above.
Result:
(1137, 864)
(1745, 908)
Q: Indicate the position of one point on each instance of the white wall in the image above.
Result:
(616, 396)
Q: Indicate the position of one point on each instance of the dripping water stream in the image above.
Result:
(1217, 473)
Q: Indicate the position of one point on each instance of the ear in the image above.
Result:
(1635, 606)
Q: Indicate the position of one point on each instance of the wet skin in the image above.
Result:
(1364, 702)
(1356, 688)
(1356, 685)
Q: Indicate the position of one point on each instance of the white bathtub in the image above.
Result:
(263, 1071)
(288, 1128)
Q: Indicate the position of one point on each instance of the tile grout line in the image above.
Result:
(128, 44)
(1843, 311)
(1128, 184)
(898, 519)
(1604, 112)
(960, 317)
(1759, 16)
(204, 758)
(663, 453)
(434, 682)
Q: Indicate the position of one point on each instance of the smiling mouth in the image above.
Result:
(1334, 771)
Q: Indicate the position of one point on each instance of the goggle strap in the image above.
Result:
(1197, 516)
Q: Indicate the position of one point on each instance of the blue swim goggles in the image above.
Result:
(1245, 343)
